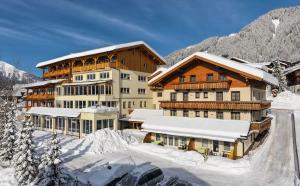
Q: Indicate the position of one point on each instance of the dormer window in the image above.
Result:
(181, 79)
(210, 77)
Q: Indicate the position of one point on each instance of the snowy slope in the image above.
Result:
(9, 73)
(271, 36)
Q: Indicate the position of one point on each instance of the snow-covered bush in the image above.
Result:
(50, 169)
(9, 136)
(25, 159)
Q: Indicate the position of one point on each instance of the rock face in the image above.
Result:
(271, 36)
(10, 75)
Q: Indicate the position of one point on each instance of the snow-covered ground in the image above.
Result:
(7, 177)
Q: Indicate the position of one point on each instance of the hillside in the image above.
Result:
(10, 75)
(272, 35)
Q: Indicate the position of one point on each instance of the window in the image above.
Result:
(68, 104)
(165, 139)
(205, 94)
(123, 61)
(173, 113)
(197, 94)
(209, 77)
(141, 104)
(185, 96)
(171, 140)
(142, 78)
(74, 125)
(219, 96)
(129, 104)
(183, 141)
(235, 96)
(48, 122)
(125, 76)
(60, 123)
(91, 76)
(58, 91)
(106, 123)
(145, 66)
(125, 90)
(173, 96)
(145, 103)
(197, 113)
(87, 126)
(124, 104)
(141, 91)
(108, 90)
(92, 103)
(157, 137)
(226, 146)
(235, 116)
(79, 78)
(185, 113)
(222, 77)
(206, 114)
(159, 94)
(193, 78)
(205, 143)
(104, 75)
(220, 115)
(181, 79)
(176, 141)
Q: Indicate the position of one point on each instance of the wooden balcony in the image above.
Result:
(203, 85)
(40, 97)
(94, 67)
(56, 73)
(261, 126)
(216, 105)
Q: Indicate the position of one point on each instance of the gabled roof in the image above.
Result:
(215, 129)
(43, 83)
(102, 50)
(246, 70)
(291, 69)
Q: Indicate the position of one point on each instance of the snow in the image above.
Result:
(286, 100)
(10, 71)
(232, 34)
(276, 23)
(99, 109)
(7, 177)
(230, 64)
(43, 83)
(55, 112)
(291, 69)
(98, 51)
(224, 130)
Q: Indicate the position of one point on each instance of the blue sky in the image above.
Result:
(33, 30)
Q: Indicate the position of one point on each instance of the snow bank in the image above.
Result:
(7, 177)
(286, 100)
(103, 141)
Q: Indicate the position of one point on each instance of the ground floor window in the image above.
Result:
(226, 146)
(60, 123)
(205, 143)
(87, 126)
(74, 125)
(105, 123)
(36, 121)
(48, 122)
(215, 146)
(157, 137)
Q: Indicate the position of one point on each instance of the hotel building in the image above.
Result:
(207, 101)
(114, 78)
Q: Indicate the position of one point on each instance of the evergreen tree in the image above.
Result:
(25, 160)
(9, 135)
(277, 72)
(51, 172)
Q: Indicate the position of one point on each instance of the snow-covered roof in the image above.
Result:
(85, 83)
(43, 83)
(99, 109)
(98, 51)
(55, 112)
(291, 69)
(215, 129)
(226, 63)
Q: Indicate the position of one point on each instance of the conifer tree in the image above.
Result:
(51, 171)
(277, 72)
(25, 160)
(9, 136)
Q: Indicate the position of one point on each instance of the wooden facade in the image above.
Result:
(216, 105)
(261, 126)
(204, 85)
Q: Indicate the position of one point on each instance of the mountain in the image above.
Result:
(10, 75)
(271, 36)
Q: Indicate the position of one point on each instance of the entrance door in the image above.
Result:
(215, 146)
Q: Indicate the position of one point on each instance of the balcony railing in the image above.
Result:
(261, 126)
(56, 73)
(203, 85)
(93, 67)
(216, 105)
(39, 97)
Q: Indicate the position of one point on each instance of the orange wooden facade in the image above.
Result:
(203, 85)
(261, 126)
(216, 105)
(136, 59)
